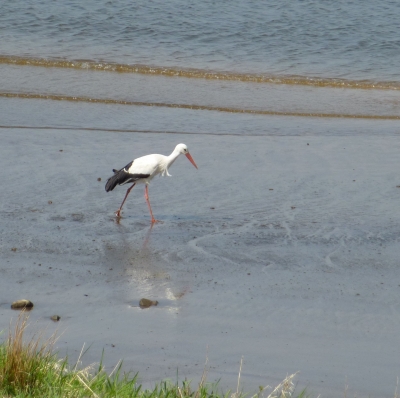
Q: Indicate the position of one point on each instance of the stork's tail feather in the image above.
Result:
(112, 182)
(121, 177)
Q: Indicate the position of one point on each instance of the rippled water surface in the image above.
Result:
(284, 58)
(282, 247)
(339, 39)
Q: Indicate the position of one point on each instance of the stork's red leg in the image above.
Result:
(146, 195)
(118, 212)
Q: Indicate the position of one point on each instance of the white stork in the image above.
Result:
(143, 170)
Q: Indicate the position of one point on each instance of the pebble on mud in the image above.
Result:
(14, 249)
(146, 303)
(99, 179)
(55, 318)
(49, 202)
(22, 304)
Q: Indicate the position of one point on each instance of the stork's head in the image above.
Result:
(183, 149)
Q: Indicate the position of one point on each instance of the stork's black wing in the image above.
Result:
(122, 177)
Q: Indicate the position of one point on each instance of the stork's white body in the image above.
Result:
(153, 165)
(143, 170)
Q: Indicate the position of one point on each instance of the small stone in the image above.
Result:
(146, 303)
(14, 249)
(22, 304)
(99, 179)
(49, 202)
(55, 318)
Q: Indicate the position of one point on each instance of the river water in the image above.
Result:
(281, 248)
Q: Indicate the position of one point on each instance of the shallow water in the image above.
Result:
(281, 248)
(197, 94)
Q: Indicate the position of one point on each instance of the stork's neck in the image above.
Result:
(168, 162)
(171, 158)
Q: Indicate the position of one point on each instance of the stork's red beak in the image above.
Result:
(191, 160)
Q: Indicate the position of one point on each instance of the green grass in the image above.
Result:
(31, 369)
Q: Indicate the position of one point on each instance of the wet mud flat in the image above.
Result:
(280, 249)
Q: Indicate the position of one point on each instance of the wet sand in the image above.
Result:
(281, 248)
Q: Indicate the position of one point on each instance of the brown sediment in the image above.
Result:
(201, 73)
